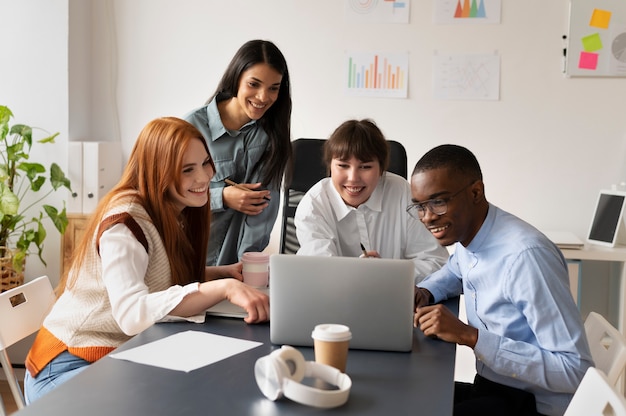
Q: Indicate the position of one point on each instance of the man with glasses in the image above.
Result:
(523, 325)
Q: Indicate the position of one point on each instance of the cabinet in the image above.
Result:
(77, 223)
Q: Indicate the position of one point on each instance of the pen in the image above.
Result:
(363, 250)
(239, 186)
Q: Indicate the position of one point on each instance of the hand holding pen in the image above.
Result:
(368, 254)
(245, 198)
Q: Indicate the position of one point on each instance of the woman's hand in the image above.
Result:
(250, 202)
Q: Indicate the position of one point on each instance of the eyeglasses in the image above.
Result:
(437, 206)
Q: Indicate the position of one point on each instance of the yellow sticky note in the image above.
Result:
(600, 18)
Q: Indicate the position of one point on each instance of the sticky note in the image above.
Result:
(600, 19)
(588, 60)
(592, 43)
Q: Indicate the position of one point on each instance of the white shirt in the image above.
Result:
(326, 226)
(124, 266)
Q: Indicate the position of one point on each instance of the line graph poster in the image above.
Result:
(376, 74)
(597, 38)
(466, 76)
(467, 12)
(378, 11)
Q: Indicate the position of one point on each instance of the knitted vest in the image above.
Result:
(81, 320)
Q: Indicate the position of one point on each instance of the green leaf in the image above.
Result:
(9, 203)
(25, 132)
(58, 178)
(49, 139)
(59, 220)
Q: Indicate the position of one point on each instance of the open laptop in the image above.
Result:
(373, 296)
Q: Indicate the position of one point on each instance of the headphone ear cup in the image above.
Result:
(293, 361)
(269, 374)
(272, 371)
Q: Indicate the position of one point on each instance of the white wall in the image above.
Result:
(34, 85)
(546, 147)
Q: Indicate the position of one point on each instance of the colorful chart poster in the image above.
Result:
(378, 11)
(376, 74)
(597, 38)
(467, 12)
(466, 76)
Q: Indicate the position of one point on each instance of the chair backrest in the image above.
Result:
(309, 168)
(608, 346)
(22, 310)
(596, 396)
(397, 159)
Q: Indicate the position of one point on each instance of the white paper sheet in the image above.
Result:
(186, 351)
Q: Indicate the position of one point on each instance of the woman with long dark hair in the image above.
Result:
(246, 124)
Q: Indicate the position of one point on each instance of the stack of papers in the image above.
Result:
(565, 239)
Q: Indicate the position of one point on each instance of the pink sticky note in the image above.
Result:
(588, 60)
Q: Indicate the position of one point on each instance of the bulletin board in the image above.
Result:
(596, 43)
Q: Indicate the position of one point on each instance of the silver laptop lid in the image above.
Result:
(374, 297)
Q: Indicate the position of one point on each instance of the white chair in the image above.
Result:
(608, 346)
(596, 396)
(22, 310)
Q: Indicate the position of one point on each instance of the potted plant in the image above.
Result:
(20, 177)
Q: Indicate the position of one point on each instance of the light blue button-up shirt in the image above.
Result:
(235, 154)
(516, 285)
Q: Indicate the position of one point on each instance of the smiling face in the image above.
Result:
(465, 212)
(354, 180)
(196, 174)
(258, 90)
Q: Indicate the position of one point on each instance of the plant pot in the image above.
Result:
(9, 278)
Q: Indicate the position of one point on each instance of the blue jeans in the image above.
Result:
(63, 367)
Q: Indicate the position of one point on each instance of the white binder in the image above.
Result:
(102, 169)
(75, 175)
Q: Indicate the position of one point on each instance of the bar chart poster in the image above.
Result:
(374, 74)
(377, 11)
(466, 76)
(467, 12)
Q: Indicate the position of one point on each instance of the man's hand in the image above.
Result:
(423, 297)
(438, 321)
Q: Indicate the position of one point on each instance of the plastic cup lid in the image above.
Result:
(331, 332)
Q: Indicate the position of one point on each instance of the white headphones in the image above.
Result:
(281, 372)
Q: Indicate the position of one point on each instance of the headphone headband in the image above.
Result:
(281, 372)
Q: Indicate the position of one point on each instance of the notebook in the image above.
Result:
(230, 310)
(373, 296)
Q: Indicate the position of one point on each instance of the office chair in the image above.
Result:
(309, 168)
(22, 310)
(397, 159)
(596, 396)
(608, 346)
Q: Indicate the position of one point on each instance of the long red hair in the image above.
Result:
(155, 163)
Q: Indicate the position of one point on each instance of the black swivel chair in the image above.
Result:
(309, 168)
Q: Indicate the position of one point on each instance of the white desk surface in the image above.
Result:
(596, 252)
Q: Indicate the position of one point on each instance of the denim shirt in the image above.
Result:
(516, 285)
(235, 154)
